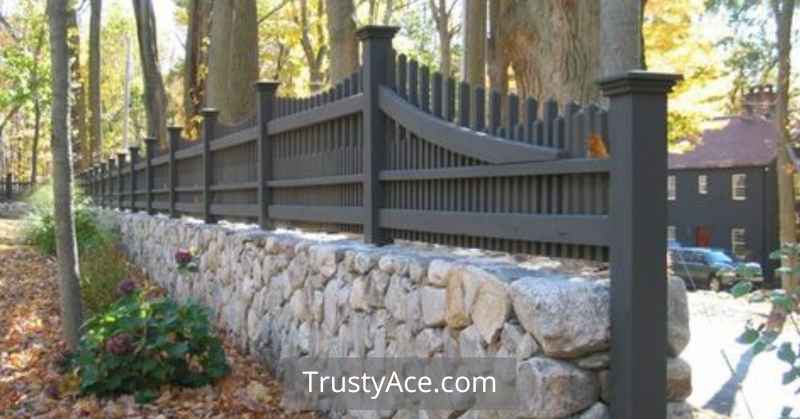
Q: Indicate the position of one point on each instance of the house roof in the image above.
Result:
(734, 141)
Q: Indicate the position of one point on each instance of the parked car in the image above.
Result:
(702, 267)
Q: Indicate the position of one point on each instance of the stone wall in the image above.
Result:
(13, 209)
(283, 294)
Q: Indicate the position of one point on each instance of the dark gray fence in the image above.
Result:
(11, 190)
(398, 152)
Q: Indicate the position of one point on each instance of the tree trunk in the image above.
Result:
(474, 32)
(553, 48)
(314, 56)
(126, 95)
(155, 97)
(37, 104)
(621, 36)
(37, 123)
(342, 36)
(78, 110)
(784, 11)
(441, 16)
(66, 249)
(233, 59)
(94, 81)
(194, 80)
(498, 59)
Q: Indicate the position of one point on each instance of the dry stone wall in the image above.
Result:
(288, 294)
(14, 209)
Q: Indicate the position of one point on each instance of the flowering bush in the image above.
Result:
(185, 260)
(137, 345)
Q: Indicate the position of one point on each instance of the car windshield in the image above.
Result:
(719, 257)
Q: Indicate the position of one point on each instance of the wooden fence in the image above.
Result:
(398, 152)
(11, 190)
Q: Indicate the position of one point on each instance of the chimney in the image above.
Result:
(760, 100)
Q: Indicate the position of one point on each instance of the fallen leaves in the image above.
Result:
(31, 350)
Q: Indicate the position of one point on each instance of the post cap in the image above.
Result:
(150, 141)
(638, 81)
(134, 149)
(209, 112)
(121, 156)
(266, 86)
(376, 32)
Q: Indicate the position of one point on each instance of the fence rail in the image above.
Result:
(12, 190)
(397, 152)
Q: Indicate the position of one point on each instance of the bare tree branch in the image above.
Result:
(274, 10)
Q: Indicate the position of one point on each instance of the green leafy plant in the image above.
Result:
(40, 228)
(103, 268)
(137, 345)
(762, 337)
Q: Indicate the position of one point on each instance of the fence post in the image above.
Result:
(8, 186)
(93, 182)
(174, 138)
(209, 124)
(150, 145)
(120, 183)
(637, 120)
(376, 58)
(134, 151)
(265, 98)
(110, 200)
(102, 184)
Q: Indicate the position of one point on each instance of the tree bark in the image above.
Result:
(66, 249)
(314, 56)
(784, 11)
(233, 59)
(621, 36)
(37, 104)
(196, 67)
(342, 39)
(94, 81)
(442, 14)
(553, 47)
(78, 110)
(155, 96)
(474, 35)
(498, 59)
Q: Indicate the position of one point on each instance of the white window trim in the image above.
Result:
(734, 196)
(702, 184)
(738, 243)
(672, 187)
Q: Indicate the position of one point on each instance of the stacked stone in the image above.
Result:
(14, 209)
(284, 295)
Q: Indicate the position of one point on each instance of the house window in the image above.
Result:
(671, 233)
(739, 186)
(671, 188)
(702, 184)
(738, 243)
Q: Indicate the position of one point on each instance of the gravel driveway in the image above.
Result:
(716, 321)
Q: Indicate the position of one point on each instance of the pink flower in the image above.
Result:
(120, 344)
(183, 257)
(126, 287)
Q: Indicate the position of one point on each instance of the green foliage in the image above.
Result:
(40, 228)
(137, 345)
(102, 269)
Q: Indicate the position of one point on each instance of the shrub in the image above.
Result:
(137, 345)
(40, 228)
(103, 268)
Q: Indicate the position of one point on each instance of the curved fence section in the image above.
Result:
(395, 152)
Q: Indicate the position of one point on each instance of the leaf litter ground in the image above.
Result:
(31, 347)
